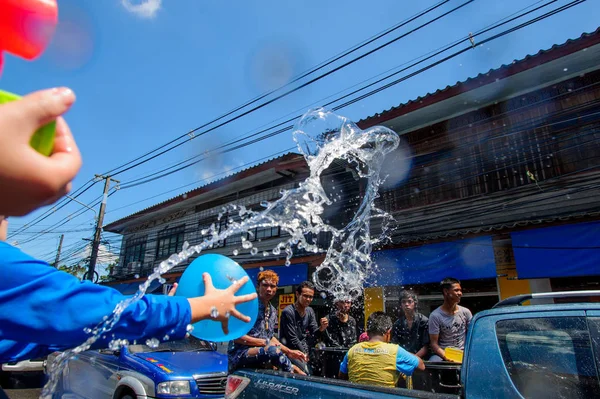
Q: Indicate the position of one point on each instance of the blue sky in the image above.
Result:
(147, 71)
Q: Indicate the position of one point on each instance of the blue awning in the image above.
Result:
(288, 275)
(467, 259)
(560, 251)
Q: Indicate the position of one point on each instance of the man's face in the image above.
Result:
(408, 305)
(3, 228)
(344, 306)
(453, 294)
(267, 289)
(306, 297)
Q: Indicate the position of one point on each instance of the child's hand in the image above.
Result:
(28, 179)
(218, 304)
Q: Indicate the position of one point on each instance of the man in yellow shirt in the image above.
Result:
(377, 362)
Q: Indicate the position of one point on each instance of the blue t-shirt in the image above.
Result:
(42, 308)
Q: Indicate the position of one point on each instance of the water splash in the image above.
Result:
(323, 137)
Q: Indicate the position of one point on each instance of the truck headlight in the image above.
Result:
(173, 388)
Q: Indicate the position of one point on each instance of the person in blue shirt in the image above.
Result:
(42, 308)
(260, 348)
(377, 362)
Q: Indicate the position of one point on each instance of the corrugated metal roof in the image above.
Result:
(207, 187)
(530, 61)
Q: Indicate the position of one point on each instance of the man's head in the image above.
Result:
(3, 228)
(379, 324)
(451, 290)
(305, 293)
(343, 305)
(408, 301)
(267, 285)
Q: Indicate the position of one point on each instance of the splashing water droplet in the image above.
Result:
(189, 328)
(262, 269)
(235, 252)
(152, 343)
(166, 337)
(323, 295)
(254, 251)
(136, 276)
(214, 312)
(298, 213)
(246, 244)
(265, 253)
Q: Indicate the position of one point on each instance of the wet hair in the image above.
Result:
(305, 284)
(378, 324)
(268, 275)
(446, 283)
(409, 294)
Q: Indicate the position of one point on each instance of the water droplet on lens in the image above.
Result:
(152, 343)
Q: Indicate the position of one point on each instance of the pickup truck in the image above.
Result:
(512, 351)
(189, 368)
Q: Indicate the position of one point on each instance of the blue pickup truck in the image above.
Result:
(512, 351)
(190, 368)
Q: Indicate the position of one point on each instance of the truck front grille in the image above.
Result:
(211, 384)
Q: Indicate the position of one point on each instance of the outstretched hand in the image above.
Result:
(218, 304)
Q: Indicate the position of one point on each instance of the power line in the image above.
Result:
(289, 127)
(118, 170)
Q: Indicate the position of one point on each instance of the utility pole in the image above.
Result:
(62, 237)
(99, 221)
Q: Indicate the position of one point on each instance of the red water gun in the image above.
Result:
(26, 27)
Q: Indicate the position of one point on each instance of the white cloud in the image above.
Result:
(142, 8)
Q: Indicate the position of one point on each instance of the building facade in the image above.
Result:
(501, 192)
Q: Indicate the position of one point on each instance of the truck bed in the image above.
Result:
(276, 384)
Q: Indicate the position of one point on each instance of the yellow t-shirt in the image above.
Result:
(378, 363)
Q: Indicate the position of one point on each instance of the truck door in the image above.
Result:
(549, 357)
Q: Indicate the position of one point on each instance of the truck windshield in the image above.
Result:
(189, 344)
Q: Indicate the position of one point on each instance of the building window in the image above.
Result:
(549, 357)
(135, 250)
(170, 241)
(234, 239)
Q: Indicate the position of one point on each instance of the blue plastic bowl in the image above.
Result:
(223, 271)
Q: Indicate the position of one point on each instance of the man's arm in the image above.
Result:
(55, 307)
(424, 334)
(343, 373)
(434, 335)
(407, 363)
(433, 342)
(250, 341)
(291, 353)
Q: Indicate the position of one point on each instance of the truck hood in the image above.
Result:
(186, 363)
